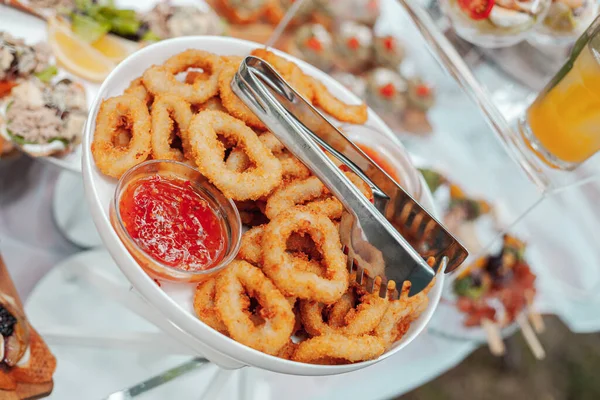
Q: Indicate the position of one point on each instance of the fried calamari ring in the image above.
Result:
(237, 15)
(238, 160)
(160, 79)
(364, 188)
(275, 12)
(351, 113)
(308, 192)
(278, 264)
(204, 306)
(339, 310)
(192, 76)
(398, 316)
(289, 71)
(239, 281)
(251, 245)
(137, 89)
(209, 152)
(357, 321)
(213, 104)
(288, 350)
(340, 347)
(313, 194)
(166, 110)
(232, 103)
(251, 250)
(114, 113)
(234, 61)
(271, 142)
(291, 167)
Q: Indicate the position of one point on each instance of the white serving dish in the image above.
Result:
(174, 301)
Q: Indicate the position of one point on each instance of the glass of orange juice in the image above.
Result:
(562, 126)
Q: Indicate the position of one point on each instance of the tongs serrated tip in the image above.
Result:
(389, 240)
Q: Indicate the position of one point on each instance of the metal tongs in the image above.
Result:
(387, 241)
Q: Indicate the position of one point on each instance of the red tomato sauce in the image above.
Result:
(173, 223)
(381, 161)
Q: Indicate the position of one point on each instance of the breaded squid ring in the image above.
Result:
(278, 264)
(309, 192)
(357, 321)
(213, 104)
(234, 285)
(232, 103)
(398, 315)
(115, 160)
(204, 306)
(238, 160)
(237, 16)
(160, 79)
(251, 250)
(251, 245)
(312, 193)
(291, 167)
(339, 310)
(289, 71)
(334, 346)
(165, 109)
(271, 142)
(209, 153)
(192, 76)
(137, 89)
(351, 113)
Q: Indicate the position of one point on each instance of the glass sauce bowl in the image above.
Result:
(223, 207)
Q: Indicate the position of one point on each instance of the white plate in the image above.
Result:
(174, 301)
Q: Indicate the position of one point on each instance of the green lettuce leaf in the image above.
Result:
(150, 37)
(46, 74)
(88, 28)
(18, 139)
(465, 287)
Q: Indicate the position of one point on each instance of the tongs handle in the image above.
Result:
(251, 89)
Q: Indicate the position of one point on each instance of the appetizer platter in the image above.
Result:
(339, 37)
(491, 299)
(187, 125)
(42, 112)
(565, 22)
(495, 23)
(44, 64)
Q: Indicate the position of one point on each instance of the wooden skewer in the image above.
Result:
(536, 319)
(530, 337)
(495, 342)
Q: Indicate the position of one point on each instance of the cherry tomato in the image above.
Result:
(477, 9)
(388, 90)
(353, 43)
(6, 87)
(389, 42)
(314, 43)
(423, 90)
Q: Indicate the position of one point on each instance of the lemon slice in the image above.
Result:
(76, 55)
(114, 47)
